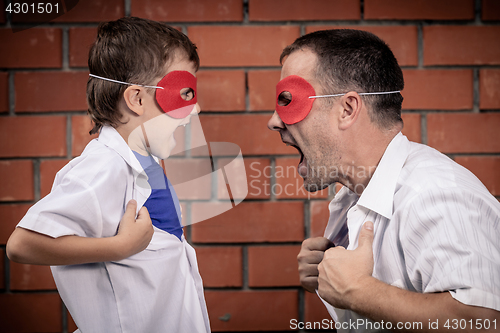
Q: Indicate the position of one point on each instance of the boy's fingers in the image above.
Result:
(130, 211)
(143, 213)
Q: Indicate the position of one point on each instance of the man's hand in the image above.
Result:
(309, 257)
(341, 272)
(134, 234)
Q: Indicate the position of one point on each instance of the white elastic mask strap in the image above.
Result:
(130, 84)
(372, 93)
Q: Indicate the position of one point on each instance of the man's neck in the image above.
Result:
(365, 157)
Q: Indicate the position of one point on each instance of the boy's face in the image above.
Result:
(155, 135)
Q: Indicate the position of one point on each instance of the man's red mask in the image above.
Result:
(295, 97)
(292, 99)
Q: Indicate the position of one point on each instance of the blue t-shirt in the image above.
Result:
(163, 205)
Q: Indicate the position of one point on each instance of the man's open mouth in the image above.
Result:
(302, 166)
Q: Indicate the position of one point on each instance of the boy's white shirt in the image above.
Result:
(156, 290)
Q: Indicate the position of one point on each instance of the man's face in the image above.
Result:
(313, 136)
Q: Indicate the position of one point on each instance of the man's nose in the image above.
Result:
(275, 123)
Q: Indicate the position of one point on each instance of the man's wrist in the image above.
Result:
(361, 292)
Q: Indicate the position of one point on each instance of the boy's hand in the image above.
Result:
(134, 234)
(310, 255)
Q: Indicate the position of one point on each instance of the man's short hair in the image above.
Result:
(355, 60)
(131, 50)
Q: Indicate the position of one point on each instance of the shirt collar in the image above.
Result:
(379, 194)
(112, 139)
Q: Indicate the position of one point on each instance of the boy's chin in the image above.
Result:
(161, 154)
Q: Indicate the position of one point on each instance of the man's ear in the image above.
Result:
(352, 105)
(133, 96)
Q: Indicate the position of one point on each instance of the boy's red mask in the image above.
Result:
(292, 99)
(178, 93)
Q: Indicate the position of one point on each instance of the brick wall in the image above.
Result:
(450, 54)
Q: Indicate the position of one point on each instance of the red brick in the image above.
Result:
(464, 132)
(80, 41)
(220, 266)
(489, 89)
(262, 89)
(11, 215)
(80, 137)
(402, 40)
(48, 170)
(490, 10)
(94, 11)
(419, 10)
(191, 11)
(182, 170)
(297, 10)
(314, 309)
(4, 91)
(30, 312)
(51, 91)
(251, 310)
(412, 126)
(461, 45)
(2, 268)
(289, 184)
(31, 48)
(249, 132)
(31, 277)
(485, 168)
(438, 89)
(249, 222)
(270, 266)
(225, 46)
(16, 183)
(33, 136)
(257, 179)
(258, 175)
(221, 90)
(319, 217)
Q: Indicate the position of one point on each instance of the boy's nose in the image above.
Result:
(196, 109)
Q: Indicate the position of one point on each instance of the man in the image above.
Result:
(412, 239)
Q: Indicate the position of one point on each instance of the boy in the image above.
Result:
(139, 278)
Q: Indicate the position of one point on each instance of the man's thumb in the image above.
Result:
(366, 235)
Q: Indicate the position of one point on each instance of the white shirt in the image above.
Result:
(436, 227)
(156, 290)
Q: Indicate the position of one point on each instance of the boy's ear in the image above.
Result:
(133, 96)
(351, 105)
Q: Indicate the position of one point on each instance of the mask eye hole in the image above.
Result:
(187, 94)
(284, 98)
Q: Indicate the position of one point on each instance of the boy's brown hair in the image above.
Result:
(131, 50)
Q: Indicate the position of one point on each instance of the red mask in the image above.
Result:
(178, 93)
(292, 99)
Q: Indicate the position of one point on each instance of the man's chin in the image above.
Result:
(314, 186)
